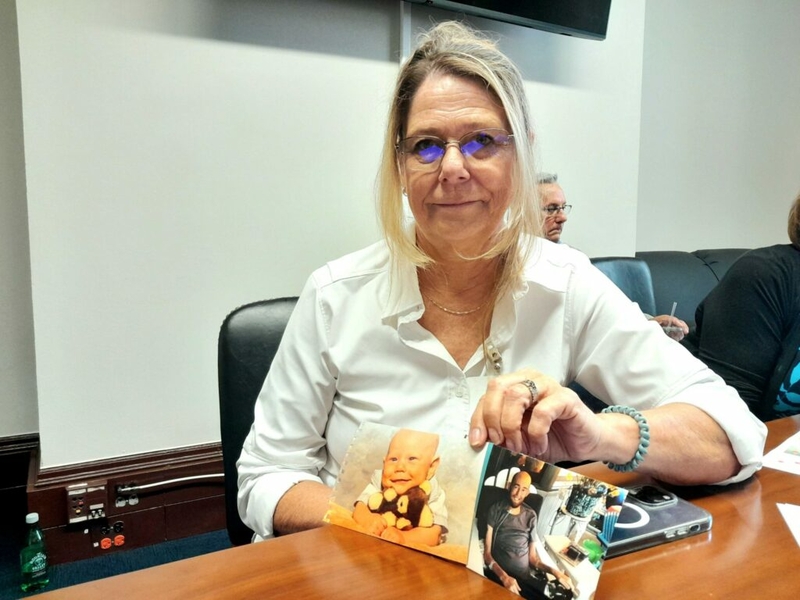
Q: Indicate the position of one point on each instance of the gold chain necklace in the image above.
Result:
(458, 313)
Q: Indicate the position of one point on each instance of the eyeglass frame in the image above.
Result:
(434, 164)
(552, 211)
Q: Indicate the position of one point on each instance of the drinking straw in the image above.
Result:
(672, 312)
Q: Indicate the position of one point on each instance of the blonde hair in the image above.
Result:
(455, 49)
(794, 223)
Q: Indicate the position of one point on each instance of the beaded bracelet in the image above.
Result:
(644, 439)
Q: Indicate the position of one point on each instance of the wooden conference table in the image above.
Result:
(749, 553)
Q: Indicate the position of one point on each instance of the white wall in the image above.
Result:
(187, 157)
(177, 169)
(720, 123)
(17, 359)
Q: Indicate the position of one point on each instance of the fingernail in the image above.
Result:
(494, 436)
(512, 446)
(475, 436)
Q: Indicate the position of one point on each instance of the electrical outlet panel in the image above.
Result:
(112, 535)
(86, 501)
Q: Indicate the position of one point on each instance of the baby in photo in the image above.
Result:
(403, 502)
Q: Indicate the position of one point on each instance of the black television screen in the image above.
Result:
(580, 18)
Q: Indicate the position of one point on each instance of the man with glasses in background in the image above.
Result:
(554, 205)
(556, 209)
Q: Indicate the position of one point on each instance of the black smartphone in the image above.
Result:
(650, 495)
(652, 515)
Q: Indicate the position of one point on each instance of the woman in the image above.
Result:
(465, 323)
(748, 327)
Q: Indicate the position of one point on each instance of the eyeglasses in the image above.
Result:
(427, 150)
(552, 211)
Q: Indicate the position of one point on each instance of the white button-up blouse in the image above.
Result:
(353, 351)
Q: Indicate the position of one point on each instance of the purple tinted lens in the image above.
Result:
(474, 145)
(430, 154)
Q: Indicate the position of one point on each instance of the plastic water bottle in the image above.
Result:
(33, 556)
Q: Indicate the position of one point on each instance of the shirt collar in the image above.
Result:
(404, 303)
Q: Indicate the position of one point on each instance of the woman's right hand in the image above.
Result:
(554, 426)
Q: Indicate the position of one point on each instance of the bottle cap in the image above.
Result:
(31, 518)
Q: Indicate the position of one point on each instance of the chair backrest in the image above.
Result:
(632, 276)
(686, 277)
(719, 260)
(248, 340)
(679, 277)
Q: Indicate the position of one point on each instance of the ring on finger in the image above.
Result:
(532, 389)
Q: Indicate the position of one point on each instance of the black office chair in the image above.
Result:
(248, 340)
(632, 276)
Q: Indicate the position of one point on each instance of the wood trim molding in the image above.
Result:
(127, 466)
(15, 444)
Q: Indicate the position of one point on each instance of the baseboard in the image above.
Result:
(113, 505)
(15, 444)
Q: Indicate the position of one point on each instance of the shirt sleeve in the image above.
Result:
(623, 359)
(532, 528)
(492, 515)
(286, 443)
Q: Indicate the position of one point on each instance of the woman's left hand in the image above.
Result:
(555, 425)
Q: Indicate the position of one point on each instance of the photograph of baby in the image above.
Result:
(409, 487)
